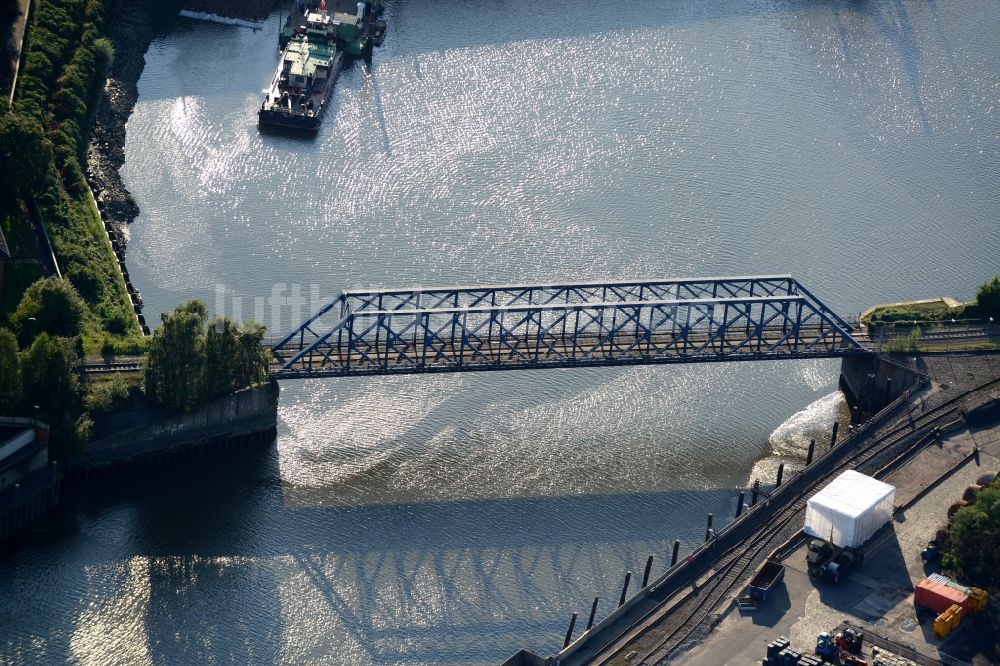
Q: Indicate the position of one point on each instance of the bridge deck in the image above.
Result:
(586, 324)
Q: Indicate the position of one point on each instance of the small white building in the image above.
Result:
(850, 509)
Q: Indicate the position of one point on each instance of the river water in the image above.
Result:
(453, 519)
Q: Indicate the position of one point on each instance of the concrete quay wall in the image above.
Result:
(246, 418)
(869, 383)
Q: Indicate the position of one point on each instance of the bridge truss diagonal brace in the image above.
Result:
(566, 325)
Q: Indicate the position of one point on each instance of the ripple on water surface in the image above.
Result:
(452, 519)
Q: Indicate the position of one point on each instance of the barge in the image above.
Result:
(315, 45)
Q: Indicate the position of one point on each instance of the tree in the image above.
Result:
(975, 538)
(49, 383)
(988, 298)
(188, 364)
(51, 305)
(10, 374)
(222, 357)
(25, 154)
(175, 367)
(254, 359)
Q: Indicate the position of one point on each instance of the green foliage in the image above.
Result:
(49, 386)
(50, 305)
(104, 55)
(10, 374)
(988, 299)
(904, 343)
(102, 397)
(190, 363)
(64, 66)
(25, 154)
(176, 362)
(975, 538)
(135, 345)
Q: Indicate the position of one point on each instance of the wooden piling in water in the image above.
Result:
(593, 612)
(781, 473)
(645, 573)
(621, 600)
(739, 503)
(673, 555)
(812, 450)
(569, 632)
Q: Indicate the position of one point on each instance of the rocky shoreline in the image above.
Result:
(133, 32)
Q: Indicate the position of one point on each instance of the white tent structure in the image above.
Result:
(850, 509)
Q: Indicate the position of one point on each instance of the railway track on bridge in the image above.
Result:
(100, 368)
(890, 444)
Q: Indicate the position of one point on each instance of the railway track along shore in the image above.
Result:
(688, 607)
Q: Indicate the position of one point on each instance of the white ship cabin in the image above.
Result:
(318, 26)
(302, 68)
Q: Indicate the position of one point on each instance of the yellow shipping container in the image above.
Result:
(977, 600)
(942, 625)
(956, 615)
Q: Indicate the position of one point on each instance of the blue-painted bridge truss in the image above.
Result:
(385, 332)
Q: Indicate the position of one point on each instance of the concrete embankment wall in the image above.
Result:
(869, 383)
(23, 505)
(246, 418)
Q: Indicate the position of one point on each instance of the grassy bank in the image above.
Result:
(66, 58)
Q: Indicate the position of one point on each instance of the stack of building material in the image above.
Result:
(881, 657)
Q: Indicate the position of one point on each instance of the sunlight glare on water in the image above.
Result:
(455, 518)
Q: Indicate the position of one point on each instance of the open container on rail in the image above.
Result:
(845, 514)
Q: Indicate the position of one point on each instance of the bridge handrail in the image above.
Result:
(602, 305)
(568, 285)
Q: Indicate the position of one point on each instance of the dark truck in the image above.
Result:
(820, 552)
(842, 562)
(825, 560)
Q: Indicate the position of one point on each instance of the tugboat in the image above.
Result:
(359, 24)
(314, 52)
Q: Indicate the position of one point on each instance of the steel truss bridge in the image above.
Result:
(388, 332)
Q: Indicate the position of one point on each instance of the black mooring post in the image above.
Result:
(569, 632)
(673, 555)
(833, 437)
(888, 391)
(593, 612)
(621, 599)
(781, 473)
(754, 491)
(812, 450)
(645, 573)
(739, 504)
(708, 530)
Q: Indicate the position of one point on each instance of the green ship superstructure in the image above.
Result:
(358, 25)
(315, 41)
(301, 87)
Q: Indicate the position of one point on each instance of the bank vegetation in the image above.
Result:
(50, 324)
